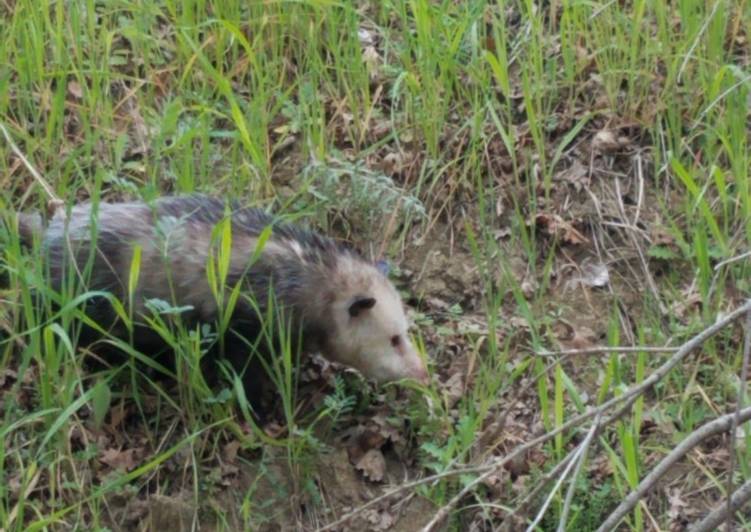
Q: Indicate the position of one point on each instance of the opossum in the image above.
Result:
(343, 305)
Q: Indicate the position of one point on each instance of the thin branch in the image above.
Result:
(607, 349)
(714, 518)
(731, 260)
(645, 267)
(738, 406)
(571, 458)
(441, 514)
(521, 505)
(579, 464)
(717, 100)
(409, 485)
(556, 487)
(628, 396)
(697, 39)
(719, 425)
(560, 466)
(720, 265)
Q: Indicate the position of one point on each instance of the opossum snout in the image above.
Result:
(416, 369)
(393, 365)
(408, 364)
(421, 375)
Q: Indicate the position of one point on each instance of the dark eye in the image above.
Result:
(396, 340)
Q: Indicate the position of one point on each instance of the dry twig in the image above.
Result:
(628, 396)
(579, 464)
(637, 246)
(719, 425)
(714, 518)
(607, 349)
(738, 406)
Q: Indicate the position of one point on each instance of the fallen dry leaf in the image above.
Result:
(594, 275)
(229, 451)
(392, 164)
(678, 506)
(557, 227)
(74, 89)
(274, 429)
(14, 485)
(690, 301)
(453, 389)
(117, 416)
(605, 141)
(123, 460)
(367, 440)
(366, 36)
(497, 482)
(379, 519)
(386, 430)
(372, 465)
(372, 60)
(576, 174)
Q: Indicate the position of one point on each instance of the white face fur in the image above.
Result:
(371, 335)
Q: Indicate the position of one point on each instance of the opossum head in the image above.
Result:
(370, 328)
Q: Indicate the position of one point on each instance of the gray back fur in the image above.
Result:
(174, 234)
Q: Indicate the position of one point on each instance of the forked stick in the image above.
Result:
(718, 426)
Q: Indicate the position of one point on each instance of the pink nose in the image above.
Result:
(421, 375)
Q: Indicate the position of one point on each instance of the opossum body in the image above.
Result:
(343, 305)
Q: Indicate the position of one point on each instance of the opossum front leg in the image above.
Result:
(245, 359)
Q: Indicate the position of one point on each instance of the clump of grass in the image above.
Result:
(372, 198)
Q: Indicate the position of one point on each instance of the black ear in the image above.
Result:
(383, 266)
(359, 304)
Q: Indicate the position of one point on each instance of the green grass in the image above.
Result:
(398, 124)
